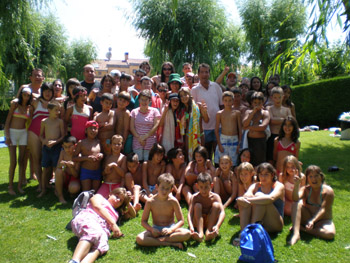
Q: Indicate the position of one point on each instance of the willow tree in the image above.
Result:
(266, 23)
(184, 31)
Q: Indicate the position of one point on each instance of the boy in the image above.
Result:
(256, 121)
(105, 120)
(88, 152)
(231, 129)
(163, 206)
(122, 120)
(237, 101)
(115, 167)
(206, 210)
(133, 178)
(277, 114)
(67, 171)
(51, 136)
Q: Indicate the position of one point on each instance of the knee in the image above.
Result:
(140, 239)
(74, 188)
(197, 207)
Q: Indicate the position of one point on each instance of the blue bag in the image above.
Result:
(256, 245)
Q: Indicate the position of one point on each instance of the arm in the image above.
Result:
(179, 216)
(165, 111)
(67, 117)
(144, 178)
(190, 215)
(42, 132)
(265, 199)
(126, 126)
(221, 77)
(274, 120)
(144, 220)
(221, 215)
(265, 121)
(8, 123)
(275, 144)
(297, 145)
(153, 130)
(234, 190)
(204, 112)
(217, 127)
(249, 114)
(239, 129)
(131, 212)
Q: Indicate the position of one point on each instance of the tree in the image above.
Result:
(185, 31)
(266, 25)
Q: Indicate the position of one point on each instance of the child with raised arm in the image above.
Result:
(176, 167)
(88, 152)
(231, 129)
(115, 168)
(312, 210)
(51, 136)
(133, 178)
(105, 120)
(277, 115)
(153, 168)
(67, 171)
(256, 121)
(122, 120)
(225, 181)
(206, 212)
(200, 164)
(164, 207)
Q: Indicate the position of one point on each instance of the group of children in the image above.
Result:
(88, 151)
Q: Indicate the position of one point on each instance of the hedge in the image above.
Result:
(320, 103)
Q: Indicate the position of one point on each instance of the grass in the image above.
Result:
(25, 222)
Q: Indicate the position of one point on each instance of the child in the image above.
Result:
(287, 142)
(206, 210)
(51, 136)
(256, 121)
(16, 134)
(277, 115)
(238, 102)
(269, 100)
(93, 225)
(287, 102)
(291, 168)
(176, 167)
(231, 129)
(88, 152)
(225, 181)
(67, 171)
(115, 168)
(246, 177)
(200, 164)
(152, 169)
(122, 120)
(163, 206)
(79, 113)
(71, 84)
(133, 178)
(105, 120)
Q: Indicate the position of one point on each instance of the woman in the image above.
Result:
(144, 123)
(167, 69)
(312, 210)
(263, 202)
(94, 98)
(256, 84)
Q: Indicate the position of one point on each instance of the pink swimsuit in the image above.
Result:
(39, 114)
(78, 122)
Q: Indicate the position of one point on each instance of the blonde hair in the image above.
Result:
(290, 159)
(117, 137)
(166, 178)
(122, 192)
(245, 166)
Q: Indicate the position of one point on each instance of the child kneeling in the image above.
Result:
(163, 206)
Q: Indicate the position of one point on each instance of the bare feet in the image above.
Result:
(294, 240)
(62, 200)
(178, 245)
(210, 235)
(11, 191)
(137, 207)
(20, 190)
(197, 237)
(33, 177)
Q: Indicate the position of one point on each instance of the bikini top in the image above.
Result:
(21, 115)
(290, 148)
(308, 198)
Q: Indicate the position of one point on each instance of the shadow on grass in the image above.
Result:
(234, 221)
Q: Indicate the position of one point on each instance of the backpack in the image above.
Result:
(256, 245)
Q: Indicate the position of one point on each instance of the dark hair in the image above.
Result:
(228, 94)
(186, 64)
(146, 93)
(163, 84)
(162, 75)
(316, 169)
(108, 76)
(53, 83)
(76, 90)
(37, 69)
(295, 132)
(251, 83)
(20, 98)
(202, 151)
(156, 148)
(238, 90)
(52, 104)
(107, 96)
(267, 87)
(269, 168)
(257, 95)
(125, 76)
(70, 82)
(46, 86)
(132, 158)
(124, 95)
(172, 154)
(240, 155)
(204, 177)
(203, 65)
(144, 63)
(69, 139)
(289, 100)
(243, 84)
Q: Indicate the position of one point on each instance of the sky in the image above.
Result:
(105, 23)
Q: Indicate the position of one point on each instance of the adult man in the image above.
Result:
(210, 93)
(231, 80)
(136, 88)
(186, 68)
(36, 80)
(89, 81)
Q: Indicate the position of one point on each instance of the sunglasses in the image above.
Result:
(167, 69)
(162, 90)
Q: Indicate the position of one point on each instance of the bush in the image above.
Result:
(320, 103)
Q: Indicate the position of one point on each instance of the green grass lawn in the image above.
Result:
(25, 222)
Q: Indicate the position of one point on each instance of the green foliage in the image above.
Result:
(186, 31)
(320, 103)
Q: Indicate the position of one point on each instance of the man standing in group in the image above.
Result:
(210, 93)
(231, 80)
(89, 81)
(36, 80)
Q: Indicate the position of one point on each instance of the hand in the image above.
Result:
(116, 231)
(215, 229)
(192, 230)
(297, 179)
(69, 164)
(227, 69)
(99, 157)
(8, 141)
(108, 168)
(166, 231)
(50, 143)
(221, 149)
(242, 201)
(310, 225)
(178, 196)
(155, 232)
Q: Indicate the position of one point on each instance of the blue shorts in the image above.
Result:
(229, 143)
(50, 155)
(209, 136)
(86, 174)
(160, 228)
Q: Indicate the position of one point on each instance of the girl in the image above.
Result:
(287, 102)
(58, 88)
(162, 90)
(200, 164)
(191, 121)
(246, 177)
(291, 168)
(312, 211)
(40, 112)
(225, 182)
(244, 156)
(176, 167)
(256, 84)
(152, 169)
(93, 225)
(263, 201)
(269, 87)
(287, 142)
(78, 114)
(70, 85)
(16, 134)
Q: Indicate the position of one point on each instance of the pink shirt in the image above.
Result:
(212, 97)
(143, 124)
